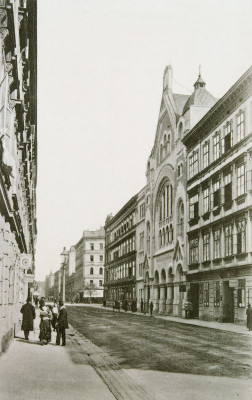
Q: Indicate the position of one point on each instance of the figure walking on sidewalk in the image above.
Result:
(62, 324)
(29, 315)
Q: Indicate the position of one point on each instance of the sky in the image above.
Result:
(100, 75)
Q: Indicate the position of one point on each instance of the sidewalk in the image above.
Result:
(228, 327)
(31, 371)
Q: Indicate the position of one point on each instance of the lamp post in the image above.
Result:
(63, 256)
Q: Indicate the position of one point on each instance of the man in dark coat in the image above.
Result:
(29, 315)
(62, 324)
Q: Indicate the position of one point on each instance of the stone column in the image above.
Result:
(169, 300)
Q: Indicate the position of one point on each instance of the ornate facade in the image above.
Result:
(18, 158)
(120, 256)
(219, 189)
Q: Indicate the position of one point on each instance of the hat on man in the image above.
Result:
(61, 303)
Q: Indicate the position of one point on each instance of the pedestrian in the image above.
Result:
(62, 324)
(45, 324)
(29, 315)
(249, 317)
(151, 308)
(55, 313)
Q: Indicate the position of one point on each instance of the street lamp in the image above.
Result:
(63, 257)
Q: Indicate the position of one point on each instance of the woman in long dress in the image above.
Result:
(45, 324)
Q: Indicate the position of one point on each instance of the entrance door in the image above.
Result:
(194, 299)
(228, 302)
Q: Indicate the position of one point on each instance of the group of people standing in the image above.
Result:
(51, 317)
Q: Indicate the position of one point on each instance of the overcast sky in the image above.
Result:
(100, 71)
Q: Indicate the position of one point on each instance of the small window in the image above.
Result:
(101, 246)
(216, 294)
(101, 271)
(91, 271)
(205, 154)
(206, 247)
(216, 194)
(91, 258)
(206, 294)
(217, 244)
(194, 251)
(100, 283)
(241, 180)
(101, 258)
(91, 283)
(241, 237)
(216, 146)
(228, 240)
(91, 246)
(228, 139)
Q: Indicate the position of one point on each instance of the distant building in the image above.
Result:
(49, 284)
(18, 159)
(120, 264)
(89, 266)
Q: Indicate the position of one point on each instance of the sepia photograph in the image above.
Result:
(125, 199)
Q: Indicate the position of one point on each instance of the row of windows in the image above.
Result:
(124, 248)
(92, 246)
(220, 145)
(241, 300)
(91, 283)
(165, 147)
(92, 258)
(123, 227)
(166, 202)
(165, 236)
(92, 271)
(233, 243)
(219, 195)
(125, 270)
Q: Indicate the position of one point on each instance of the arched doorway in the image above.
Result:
(170, 293)
(163, 293)
(156, 292)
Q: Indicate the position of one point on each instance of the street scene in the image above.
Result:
(125, 199)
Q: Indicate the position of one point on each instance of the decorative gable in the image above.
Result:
(179, 251)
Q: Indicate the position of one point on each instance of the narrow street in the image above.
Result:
(148, 343)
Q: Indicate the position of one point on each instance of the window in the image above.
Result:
(241, 180)
(141, 247)
(91, 246)
(205, 154)
(216, 294)
(206, 293)
(241, 237)
(194, 206)
(216, 194)
(228, 189)
(217, 244)
(171, 234)
(91, 258)
(101, 246)
(240, 126)
(193, 164)
(91, 271)
(91, 283)
(194, 251)
(216, 146)
(228, 240)
(148, 237)
(180, 170)
(101, 258)
(241, 293)
(206, 247)
(101, 271)
(228, 139)
(206, 200)
(142, 210)
(100, 283)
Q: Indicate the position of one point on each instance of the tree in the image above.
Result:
(90, 288)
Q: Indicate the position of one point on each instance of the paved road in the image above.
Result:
(145, 343)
